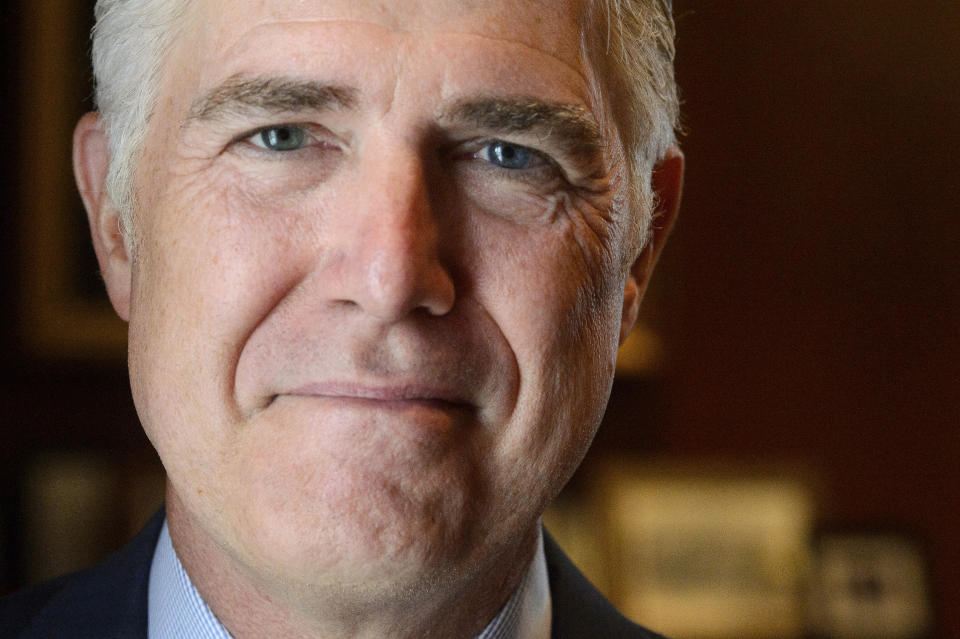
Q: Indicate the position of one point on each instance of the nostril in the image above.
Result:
(443, 295)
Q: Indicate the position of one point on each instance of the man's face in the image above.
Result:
(379, 279)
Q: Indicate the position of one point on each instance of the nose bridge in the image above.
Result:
(399, 213)
(393, 257)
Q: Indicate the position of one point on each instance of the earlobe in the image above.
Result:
(667, 183)
(91, 160)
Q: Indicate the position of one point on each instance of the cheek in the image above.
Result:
(220, 248)
(557, 285)
(211, 264)
(556, 293)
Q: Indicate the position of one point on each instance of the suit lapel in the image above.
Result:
(108, 601)
(579, 610)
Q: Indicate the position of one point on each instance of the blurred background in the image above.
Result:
(781, 457)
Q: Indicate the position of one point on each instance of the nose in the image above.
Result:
(390, 262)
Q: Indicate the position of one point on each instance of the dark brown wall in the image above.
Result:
(818, 255)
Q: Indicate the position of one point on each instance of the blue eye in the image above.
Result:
(508, 156)
(280, 138)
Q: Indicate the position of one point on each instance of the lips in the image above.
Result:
(385, 395)
(347, 413)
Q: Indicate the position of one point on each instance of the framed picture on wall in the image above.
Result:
(870, 583)
(64, 311)
(709, 553)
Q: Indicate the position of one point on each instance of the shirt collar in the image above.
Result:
(176, 609)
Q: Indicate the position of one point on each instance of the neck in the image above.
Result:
(459, 604)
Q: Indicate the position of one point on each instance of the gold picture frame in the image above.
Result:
(708, 552)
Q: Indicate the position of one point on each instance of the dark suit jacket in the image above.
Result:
(109, 601)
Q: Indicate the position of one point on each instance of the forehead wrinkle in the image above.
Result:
(579, 73)
(241, 92)
(573, 65)
(395, 28)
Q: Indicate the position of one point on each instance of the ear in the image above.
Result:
(667, 183)
(91, 159)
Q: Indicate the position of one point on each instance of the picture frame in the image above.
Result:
(870, 582)
(712, 552)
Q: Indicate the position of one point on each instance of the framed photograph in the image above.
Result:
(709, 553)
(64, 311)
(870, 584)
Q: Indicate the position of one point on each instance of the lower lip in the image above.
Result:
(358, 430)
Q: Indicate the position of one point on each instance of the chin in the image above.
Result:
(346, 530)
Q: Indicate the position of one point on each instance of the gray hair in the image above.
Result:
(130, 41)
(132, 37)
(635, 71)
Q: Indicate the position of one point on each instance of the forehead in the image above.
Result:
(547, 25)
(366, 37)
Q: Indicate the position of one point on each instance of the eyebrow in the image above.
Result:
(241, 93)
(571, 128)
